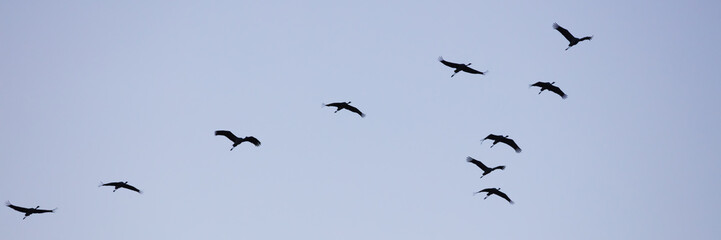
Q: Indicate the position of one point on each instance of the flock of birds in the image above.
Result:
(458, 67)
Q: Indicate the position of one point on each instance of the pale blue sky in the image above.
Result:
(95, 91)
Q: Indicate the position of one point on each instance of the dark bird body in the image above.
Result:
(236, 140)
(503, 139)
(121, 185)
(486, 170)
(496, 191)
(571, 39)
(460, 67)
(28, 211)
(550, 87)
(345, 105)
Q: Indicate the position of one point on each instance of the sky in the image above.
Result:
(103, 91)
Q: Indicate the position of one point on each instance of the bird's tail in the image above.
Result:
(101, 184)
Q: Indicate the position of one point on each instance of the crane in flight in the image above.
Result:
(28, 211)
(503, 139)
(345, 105)
(486, 170)
(550, 87)
(236, 140)
(118, 185)
(571, 39)
(460, 67)
(496, 191)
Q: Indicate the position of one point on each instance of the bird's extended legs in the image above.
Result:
(231, 149)
(567, 48)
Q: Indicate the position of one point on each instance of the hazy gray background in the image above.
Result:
(95, 91)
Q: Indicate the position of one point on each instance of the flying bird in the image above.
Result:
(571, 39)
(28, 211)
(497, 191)
(460, 67)
(550, 87)
(503, 139)
(236, 140)
(345, 105)
(486, 170)
(120, 185)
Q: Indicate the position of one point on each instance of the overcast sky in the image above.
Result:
(101, 91)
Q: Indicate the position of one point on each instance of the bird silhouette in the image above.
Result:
(460, 67)
(28, 211)
(120, 185)
(345, 105)
(571, 39)
(486, 170)
(550, 87)
(503, 139)
(496, 191)
(236, 140)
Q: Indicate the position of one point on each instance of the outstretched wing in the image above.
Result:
(512, 143)
(471, 70)
(335, 104)
(490, 137)
(477, 163)
(558, 91)
(564, 32)
(42, 210)
(19, 209)
(128, 186)
(503, 195)
(110, 184)
(484, 190)
(450, 64)
(355, 110)
(252, 140)
(227, 134)
(537, 84)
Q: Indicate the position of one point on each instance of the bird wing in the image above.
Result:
(252, 140)
(512, 143)
(537, 84)
(477, 163)
(564, 32)
(335, 104)
(42, 210)
(503, 195)
(110, 184)
(227, 134)
(558, 91)
(471, 70)
(491, 137)
(485, 190)
(450, 64)
(128, 186)
(19, 209)
(355, 110)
